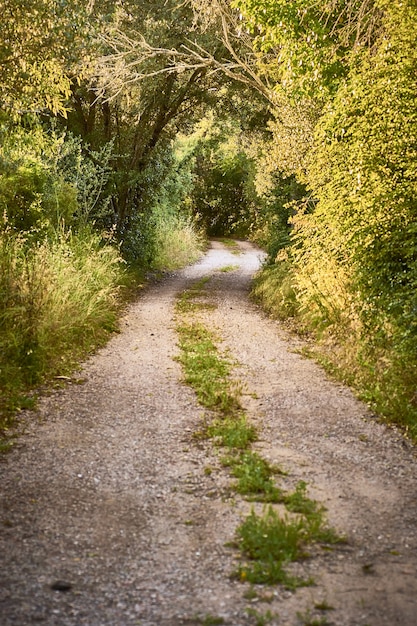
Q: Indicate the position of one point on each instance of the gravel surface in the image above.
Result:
(113, 514)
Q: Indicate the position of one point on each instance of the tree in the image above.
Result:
(142, 94)
(309, 44)
(40, 54)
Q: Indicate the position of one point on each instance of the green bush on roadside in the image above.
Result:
(58, 300)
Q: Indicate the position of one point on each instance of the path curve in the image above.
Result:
(110, 517)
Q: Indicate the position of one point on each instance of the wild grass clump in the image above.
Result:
(269, 543)
(188, 301)
(233, 432)
(177, 243)
(255, 477)
(58, 300)
(228, 268)
(273, 286)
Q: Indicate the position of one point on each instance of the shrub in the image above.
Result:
(58, 299)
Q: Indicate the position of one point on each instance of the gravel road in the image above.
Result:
(113, 514)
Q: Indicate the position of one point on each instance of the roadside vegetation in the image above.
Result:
(343, 262)
(282, 525)
(65, 273)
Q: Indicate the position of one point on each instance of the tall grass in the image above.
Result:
(58, 300)
(273, 286)
(177, 243)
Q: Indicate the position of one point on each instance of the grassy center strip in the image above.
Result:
(268, 541)
(209, 373)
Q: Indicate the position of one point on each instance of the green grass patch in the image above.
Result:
(268, 543)
(309, 619)
(228, 268)
(255, 477)
(298, 502)
(261, 619)
(233, 432)
(206, 370)
(314, 514)
(186, 300)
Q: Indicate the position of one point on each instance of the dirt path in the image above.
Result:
(108, 495)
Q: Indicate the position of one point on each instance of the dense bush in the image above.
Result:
(160, 232)
(48, 181)
(353, 259)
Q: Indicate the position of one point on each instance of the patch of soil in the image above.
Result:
(113, 514)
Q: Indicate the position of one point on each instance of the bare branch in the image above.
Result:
(132, 59)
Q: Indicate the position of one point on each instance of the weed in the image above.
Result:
(254, 476)
(297, 502)
(228, 268)
(209, 374)
(233, 432)
(314, 513)
(319, 531)
(186, 300)
(269, 543)
(205, 370)
(307, 619)
(261, 619)
(186, 304)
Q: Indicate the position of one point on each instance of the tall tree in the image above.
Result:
(40, 53)
(141, 93)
